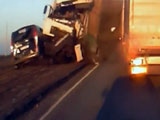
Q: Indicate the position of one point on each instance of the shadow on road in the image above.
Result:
(131, 99)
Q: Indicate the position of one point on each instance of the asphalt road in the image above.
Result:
(108, 93)
(85, 101)
(102, 92)
(131, 99)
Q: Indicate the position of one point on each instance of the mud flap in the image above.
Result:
(78, 52)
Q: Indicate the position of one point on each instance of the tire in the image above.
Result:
(69, 54)
(66, 55)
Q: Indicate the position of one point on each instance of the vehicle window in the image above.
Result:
(22, 33)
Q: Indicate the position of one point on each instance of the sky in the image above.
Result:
(15, 14)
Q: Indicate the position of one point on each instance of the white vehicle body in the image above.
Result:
(66, 18)
(62, 22)
(73, 2)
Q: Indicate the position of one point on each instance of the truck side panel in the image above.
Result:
(144, 25)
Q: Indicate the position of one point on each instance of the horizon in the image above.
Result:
(16, 15)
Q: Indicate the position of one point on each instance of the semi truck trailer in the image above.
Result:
(141, 34)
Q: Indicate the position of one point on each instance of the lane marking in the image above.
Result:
(67, 93)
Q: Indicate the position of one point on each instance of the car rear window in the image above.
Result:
(23, 33)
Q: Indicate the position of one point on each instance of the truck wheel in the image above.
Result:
(58, 58)
(69, 54)
(66, 55)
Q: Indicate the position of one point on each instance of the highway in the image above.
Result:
(108, 93)
(103, 91)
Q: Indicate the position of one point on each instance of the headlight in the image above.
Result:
(11, 48)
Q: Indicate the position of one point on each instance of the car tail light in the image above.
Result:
(138, 66)
(11, 47)
(138, 61)
(35, 35)
(34, 32)
(138, 70)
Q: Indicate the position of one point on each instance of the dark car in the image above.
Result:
(26, 43)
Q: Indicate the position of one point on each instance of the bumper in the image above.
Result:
(153, 69)
(149, 65)
(25, 58)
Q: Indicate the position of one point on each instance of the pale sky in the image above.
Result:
(18, 13)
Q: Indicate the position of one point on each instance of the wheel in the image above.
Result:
(66, 55)
(69, 54)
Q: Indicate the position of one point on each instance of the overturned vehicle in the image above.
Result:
(64, 27)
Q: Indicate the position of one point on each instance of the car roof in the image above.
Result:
(28, 26)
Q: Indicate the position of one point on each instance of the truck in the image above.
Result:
(141, 35)
(64, 27)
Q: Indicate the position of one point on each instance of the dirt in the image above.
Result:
(20, 87)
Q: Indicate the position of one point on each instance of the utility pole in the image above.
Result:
(6, 41)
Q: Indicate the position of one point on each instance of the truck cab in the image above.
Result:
(65, 23)
(66, 15)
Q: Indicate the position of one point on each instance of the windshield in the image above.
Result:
(68, 12)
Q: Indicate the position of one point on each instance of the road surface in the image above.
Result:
(108, 93)
(101, 92)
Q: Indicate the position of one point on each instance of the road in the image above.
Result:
(85, 100)
(100, 92)
(105, 92)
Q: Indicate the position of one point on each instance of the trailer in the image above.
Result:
(141, 34)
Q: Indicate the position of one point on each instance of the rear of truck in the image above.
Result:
(144, 37)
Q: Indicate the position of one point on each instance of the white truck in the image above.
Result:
(142, 35)
(65, 24)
